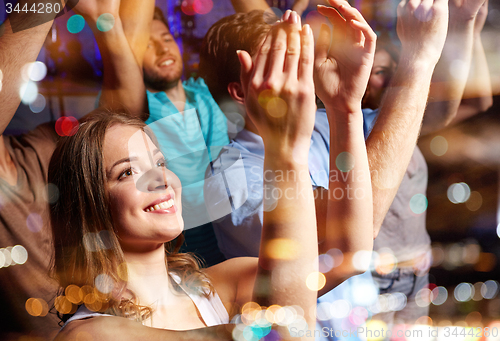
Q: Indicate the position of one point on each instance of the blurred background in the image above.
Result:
(463, 210)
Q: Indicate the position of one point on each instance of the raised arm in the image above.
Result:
(422, 30)
(123, 86)
(246, 6)
(18, 49)
(342, 68)
(478, 92)
(454, 71)
(279, 98)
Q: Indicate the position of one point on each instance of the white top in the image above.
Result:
(211, 309)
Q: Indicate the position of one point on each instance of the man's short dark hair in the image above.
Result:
(158, 15)
(219, 63)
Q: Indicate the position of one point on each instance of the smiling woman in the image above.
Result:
(126, 202)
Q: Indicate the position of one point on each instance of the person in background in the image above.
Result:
(187, 121)
(403, 245)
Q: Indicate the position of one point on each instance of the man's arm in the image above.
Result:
(422, 30)
(454, 71)
(342, 69)
(246, 6)
(123, 86)
(18, 49)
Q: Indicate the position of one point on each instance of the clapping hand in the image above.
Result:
(344, 58)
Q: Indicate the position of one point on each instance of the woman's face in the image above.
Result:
(145, 197)
(382, 71)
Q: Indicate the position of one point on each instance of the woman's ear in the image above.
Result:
(236, 92)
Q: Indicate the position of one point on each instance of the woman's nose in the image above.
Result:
(154, 180)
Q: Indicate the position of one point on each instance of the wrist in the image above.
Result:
(287, 156)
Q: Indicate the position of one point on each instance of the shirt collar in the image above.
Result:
(251, 142)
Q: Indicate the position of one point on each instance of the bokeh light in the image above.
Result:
(418, 203)
(34, 71)
(376, 330)
(439, 295)
(489, 289)
(38, 104)
(104, 283)
(439, 146)
(67, 126)
(187, 7)
(361, 260)
(340, 308)
(202, 6)
(276, 107)
(63, 305)
(315, 281)
(475, 201)
(458, 193)
(75, 24)
(105, 22)
(423, 297)
(345, 162)
(464, 292)
(358, 316)
(325, 262)
(281, 248)
(34, 222)
(36, 307)
(73, 294)
(28, 92)
(19, 254)
(323, 311)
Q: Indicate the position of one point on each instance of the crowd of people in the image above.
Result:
(261, 181)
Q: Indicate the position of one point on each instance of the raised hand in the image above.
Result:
(279, 88)
(343, 58)
(92, 9)
(422, 28)
(481, 16)
(465, 9)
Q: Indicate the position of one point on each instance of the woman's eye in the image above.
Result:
(161, 163)
(126, 173)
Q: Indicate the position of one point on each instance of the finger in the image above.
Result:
(323, 43)
(369, 36)
(293, 47)
(306, 54)
(338, 22)
(246, 69)
(262, 56)
(347, 11)
(276, 58)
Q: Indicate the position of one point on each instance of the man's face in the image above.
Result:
(162, 60)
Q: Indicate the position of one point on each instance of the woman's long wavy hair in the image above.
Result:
(88, 256)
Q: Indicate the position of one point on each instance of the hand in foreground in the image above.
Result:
(279, 88)
(422, 28)
(481, 16)
(465, 9)
(344, 58)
